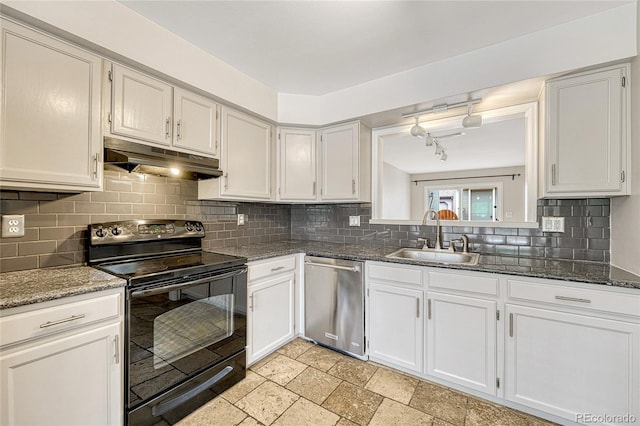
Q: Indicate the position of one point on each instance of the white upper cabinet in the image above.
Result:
(246, 160)
(332, 164)
(297, 177)
(196, 123)
(151, 111)
(142, 106)
(585, 151)
(50, 136)
(340, 165)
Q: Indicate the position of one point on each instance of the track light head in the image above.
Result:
(429, 140)
(471, 121)
(417, 130)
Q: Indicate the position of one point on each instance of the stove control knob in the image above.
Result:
(198, 226)
(189, 227)
(116, 231)
(100, 233)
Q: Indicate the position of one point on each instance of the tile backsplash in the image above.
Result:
(586, 235)
(55, 223)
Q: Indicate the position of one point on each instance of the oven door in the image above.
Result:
(180, 331)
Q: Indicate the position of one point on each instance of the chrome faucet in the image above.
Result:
(435, 217)
(464, 240)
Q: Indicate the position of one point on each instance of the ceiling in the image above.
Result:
(318, 47)
(495, 144)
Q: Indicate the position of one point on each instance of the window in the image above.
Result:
(470, 202)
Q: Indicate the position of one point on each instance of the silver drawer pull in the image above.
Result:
(61, 321)
(573, 299)
(277, 269)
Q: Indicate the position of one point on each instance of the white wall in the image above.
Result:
(625, 211)
(584, 42)
(396, 194)
(117, 28)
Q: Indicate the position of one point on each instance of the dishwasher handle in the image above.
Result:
(342, 268)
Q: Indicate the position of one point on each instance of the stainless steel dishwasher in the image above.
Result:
(334, 303)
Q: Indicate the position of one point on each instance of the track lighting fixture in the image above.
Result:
(471, 120)
(429, 140)
(417, 130)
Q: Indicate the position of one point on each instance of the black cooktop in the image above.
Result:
(162, 268)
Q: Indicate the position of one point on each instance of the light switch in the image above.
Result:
(12, 226)
(241, 218)
(354, 220)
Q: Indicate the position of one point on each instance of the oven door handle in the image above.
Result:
(164, 407)
(172, 287)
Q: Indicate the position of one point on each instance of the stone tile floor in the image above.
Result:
(305, 384)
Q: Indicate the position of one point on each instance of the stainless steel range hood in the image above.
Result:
(135, 157)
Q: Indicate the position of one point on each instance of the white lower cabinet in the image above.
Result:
(60, 370)
(572, 365)
(461, 340)
(563, 350)
(271, 314)
(396, 326)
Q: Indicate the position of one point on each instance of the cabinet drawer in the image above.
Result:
(270, 267)
(559, 294)
(403, 274)
(470, 283)
(41, 322)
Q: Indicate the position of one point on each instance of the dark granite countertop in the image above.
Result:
(39, 285)
(568, 270)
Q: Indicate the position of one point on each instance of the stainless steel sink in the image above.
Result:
(436, 256)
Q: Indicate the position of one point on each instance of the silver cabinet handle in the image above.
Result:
(277, 269)
(179, 129)
(553, 174)
(510, 325)
(61, 321)
(253, 302)
(573, 299)
(116, 344)
(353, 186)
(428, 308)
(226, 181)
(167, 122)
(314, 188)
(342, 268)
(96, 158)
(417, 307)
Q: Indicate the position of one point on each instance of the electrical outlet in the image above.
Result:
(12, 226)
(242, 218)
(552, 224)
(354, 220)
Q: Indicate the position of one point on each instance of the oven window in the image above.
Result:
(191, 327)
(176, 333)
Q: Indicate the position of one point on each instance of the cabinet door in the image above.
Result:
(586, 134)
(50, 134)
(246, 156)
(141, 106)
(396, 326)
(339, 161)
(461, 340)
(297, 165)
(196, 123)
(75, 380)
(271, 315)
(569, 365)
